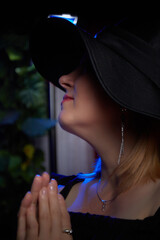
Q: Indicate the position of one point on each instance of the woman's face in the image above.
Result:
(85, 108)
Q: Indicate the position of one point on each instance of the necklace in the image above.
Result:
(107, 202)
(104, 202)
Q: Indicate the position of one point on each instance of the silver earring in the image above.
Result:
(121, 152)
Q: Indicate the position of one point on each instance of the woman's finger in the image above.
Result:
(45, 179)
(21, 230)
(31, 224)
(44, 215)
(55, 213)
(36, 187)
(65, 218)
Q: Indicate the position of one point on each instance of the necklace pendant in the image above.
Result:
(104, 202)
(103, 205)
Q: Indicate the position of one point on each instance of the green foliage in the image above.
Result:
(23, 116)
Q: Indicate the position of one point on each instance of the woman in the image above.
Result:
(112, 101)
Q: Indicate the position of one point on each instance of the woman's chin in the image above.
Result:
(69, 124)
(74, 124)
(66, 122)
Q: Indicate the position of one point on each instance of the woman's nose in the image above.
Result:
(66, 81)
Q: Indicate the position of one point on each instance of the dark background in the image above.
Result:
(21, 17)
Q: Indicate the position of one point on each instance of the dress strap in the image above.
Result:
(67, 181)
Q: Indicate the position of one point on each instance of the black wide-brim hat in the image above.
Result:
(125, 58)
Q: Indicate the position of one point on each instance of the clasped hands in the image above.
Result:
(43, 214)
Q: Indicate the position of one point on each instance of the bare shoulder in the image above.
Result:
(72, 194)
(77, 192)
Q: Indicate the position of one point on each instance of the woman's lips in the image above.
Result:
(66, 98)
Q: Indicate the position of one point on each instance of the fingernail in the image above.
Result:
(51, 187)
(52, 179)
(43, 191)
(27, 194)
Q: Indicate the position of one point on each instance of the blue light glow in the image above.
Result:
(72, 19)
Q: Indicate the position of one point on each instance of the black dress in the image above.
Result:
(96, 227)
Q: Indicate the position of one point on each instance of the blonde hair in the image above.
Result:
(143, 163)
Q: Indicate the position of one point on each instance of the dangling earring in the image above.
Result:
(121, 152)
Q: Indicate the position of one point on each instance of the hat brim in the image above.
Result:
(57, 47)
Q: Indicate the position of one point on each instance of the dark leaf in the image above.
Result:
(37, 126)
(10, 118)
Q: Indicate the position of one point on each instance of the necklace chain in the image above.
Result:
(107, 202)
(104, 202)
